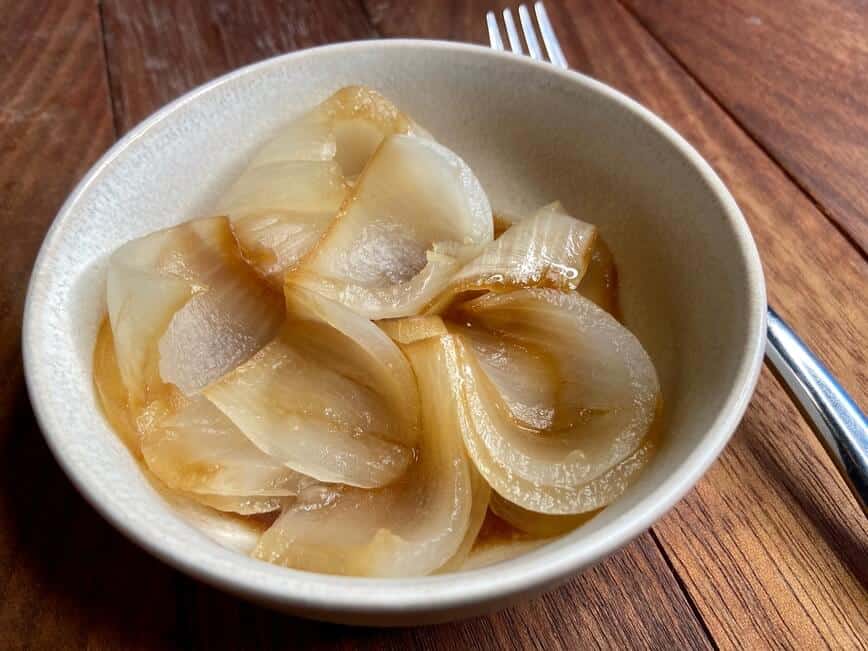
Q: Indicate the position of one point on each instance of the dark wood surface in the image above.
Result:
(794, 74)
(768, 551)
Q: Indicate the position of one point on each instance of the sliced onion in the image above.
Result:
(240, 504)
(409, 528)
(347, 127)
(197, 449)
(535, 524)
(482, 494)
(608, 393)
(413, 328)
(357, 349)
(526, 379)
(295, 184)
(549, 249)
(112, 394)
(226, 528)
(379, 256)
(293, 187)
(307, 138)
(141, 303)
(233, 316)
(331, 397)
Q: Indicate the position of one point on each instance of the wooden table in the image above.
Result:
(768, 551)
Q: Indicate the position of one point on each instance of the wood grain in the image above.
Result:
(104, 593)
(795, 75)
(160, 49)
(54, 122)
(770, 546)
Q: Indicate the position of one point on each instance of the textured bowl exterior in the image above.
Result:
(692, 288)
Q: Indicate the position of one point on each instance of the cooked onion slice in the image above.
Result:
(409, 528)
(233, 315)
(482, 494)
(240, 504)
(347, 127)
(526, 378)
(280, 210)
(549, 249)
(331, 397)
(379, 256)
(607, 397)
(112, 394)
(413, 328)
(226, 527)
(197, 449)
(357, 349)
(141, 303)
(539, 525)
(294, 186)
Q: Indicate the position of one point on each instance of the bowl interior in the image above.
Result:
(691, 285)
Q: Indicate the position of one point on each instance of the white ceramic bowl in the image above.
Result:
(692, 287)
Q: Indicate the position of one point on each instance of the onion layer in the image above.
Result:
(294, 186)
(197, 449)
(548, 249)
(410, 528)
(608, 393)
(331, 397)
(415, 214)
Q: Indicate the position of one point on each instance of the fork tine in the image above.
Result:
(553, 48)
(529, 33)
(493, 31)
(512, 33)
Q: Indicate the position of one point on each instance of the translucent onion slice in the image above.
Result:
(141, 303)
(482, 494)
(280, 210)
(295, 184)
(379, 256)
(347, 127)
(240, 504)
(290, 186)
(549, 249)
(608, 393)
(232, 316)
(409, 528)
(357, 349)
(197, 449)
(307, 138)
(226, 528)
(535, 524)
(332, 397)
(111, 392)
(413, 328)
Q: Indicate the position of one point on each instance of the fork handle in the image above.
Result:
(833, 415)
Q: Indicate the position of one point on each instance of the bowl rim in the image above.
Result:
(528, 573)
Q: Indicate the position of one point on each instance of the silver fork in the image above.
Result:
(833, 415)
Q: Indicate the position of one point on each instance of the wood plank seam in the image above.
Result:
(750, 134)
(108, 73)
(697, 613)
